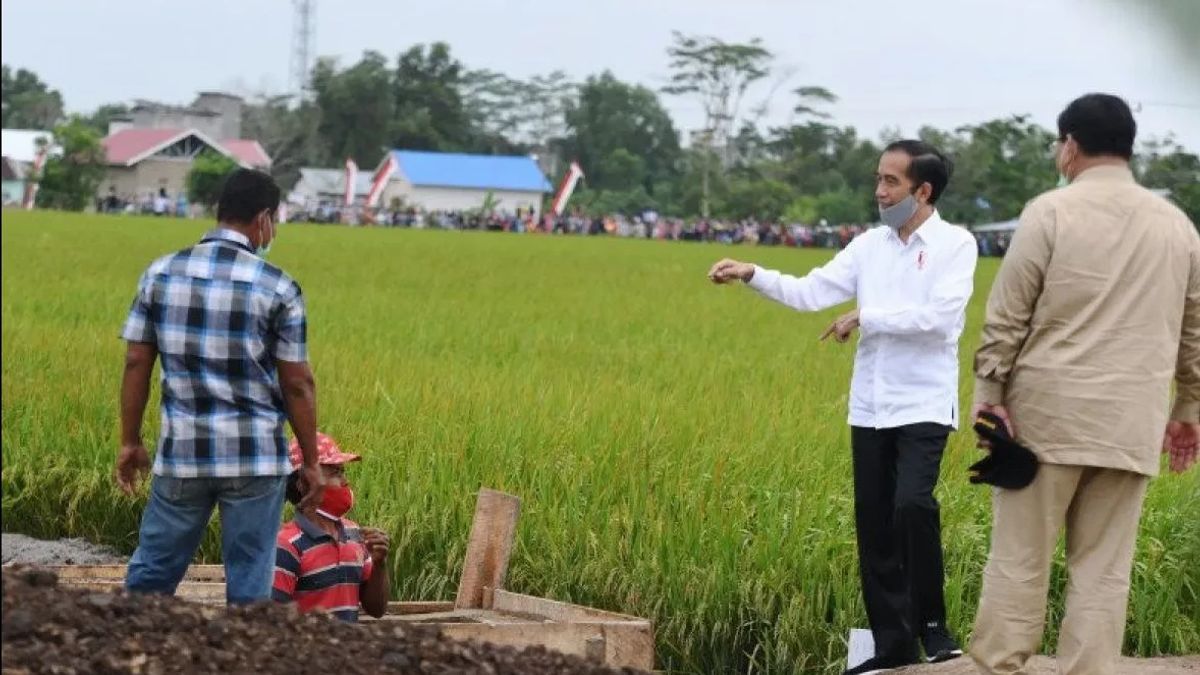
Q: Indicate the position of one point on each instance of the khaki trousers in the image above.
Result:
(1100, 509)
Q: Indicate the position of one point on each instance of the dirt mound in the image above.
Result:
(20, 549)
(65, 631)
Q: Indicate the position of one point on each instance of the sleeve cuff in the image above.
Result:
(292, 353)
(136, 336)
(869, 319)
(988, 391)
(762, 277)
(1186, 410)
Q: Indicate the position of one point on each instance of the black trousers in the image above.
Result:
(899, 531)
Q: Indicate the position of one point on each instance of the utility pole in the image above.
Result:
(304, 35)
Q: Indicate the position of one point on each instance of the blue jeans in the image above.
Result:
(174, 522)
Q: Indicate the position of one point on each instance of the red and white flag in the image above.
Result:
(574, 173)
(380, 181)
(34, 177)
(351, 180)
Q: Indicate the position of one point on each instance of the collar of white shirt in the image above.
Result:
(929, 231)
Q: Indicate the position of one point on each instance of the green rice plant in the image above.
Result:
(681, 450)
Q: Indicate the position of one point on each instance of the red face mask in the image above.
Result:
(337, 500)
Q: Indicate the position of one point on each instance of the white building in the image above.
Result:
(327, 186)
(440, 181)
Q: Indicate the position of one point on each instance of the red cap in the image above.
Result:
(328, 452)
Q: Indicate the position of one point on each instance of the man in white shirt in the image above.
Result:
(912, 280)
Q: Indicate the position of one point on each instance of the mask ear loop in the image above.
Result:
(262, 240)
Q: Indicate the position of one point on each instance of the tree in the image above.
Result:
(817, 157)
(764, 200)
(288, 134)
(426, 94)
(999, 166)
(495, 106)
(811, 97)
(74, 170)
(718, 75)
(1165, 164)
(547, 99)
(103, 116)
(515, 116)
(26, 102)
(612, 116)
(204, 181)
(357, 110)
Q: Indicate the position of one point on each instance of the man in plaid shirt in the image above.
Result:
(230, 331)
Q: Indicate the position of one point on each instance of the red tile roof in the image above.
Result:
(248, 152)
(126, 145)
(130, 146)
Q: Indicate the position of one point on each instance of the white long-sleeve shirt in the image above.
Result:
(912, 301)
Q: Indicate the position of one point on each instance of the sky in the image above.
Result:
(893, 64)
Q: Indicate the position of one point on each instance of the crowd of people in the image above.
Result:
(647, 225)
(149, 203)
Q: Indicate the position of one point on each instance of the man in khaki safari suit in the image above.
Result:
(1095, 310)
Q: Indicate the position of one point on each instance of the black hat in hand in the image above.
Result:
(1008, 464)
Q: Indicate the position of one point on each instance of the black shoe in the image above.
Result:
(938, 644)
(879, 664)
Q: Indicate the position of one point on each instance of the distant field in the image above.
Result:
(680, 449)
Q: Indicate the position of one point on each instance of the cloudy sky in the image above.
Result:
(893, 63)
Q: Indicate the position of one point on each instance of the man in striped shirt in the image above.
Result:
(323, 560)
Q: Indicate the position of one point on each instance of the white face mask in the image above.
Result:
(264, 250)
(896, 215)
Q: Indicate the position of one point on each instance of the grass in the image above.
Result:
(681, 450)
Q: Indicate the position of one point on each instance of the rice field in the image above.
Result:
(681, 449)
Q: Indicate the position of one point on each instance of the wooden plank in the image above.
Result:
(483, 616)
(66, 573)
(418, 607)
(196, 591)
(629, 644)
(566, 638)
(489, 547)
(496, 619)
(517, 603)
(624, 645)
(594, 648)
(449, 616)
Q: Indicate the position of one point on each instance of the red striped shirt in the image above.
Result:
(318, 571)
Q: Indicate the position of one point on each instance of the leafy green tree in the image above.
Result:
(1167, 165)
(999, 166)
(73, 171)
(357, 108)
(102, 116)
(717, 74)
(289, 133)
(204, 181)
(758, 199)
(428, 102)
(612, 116)
(26, 102)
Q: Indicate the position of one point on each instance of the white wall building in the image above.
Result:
(439, 181)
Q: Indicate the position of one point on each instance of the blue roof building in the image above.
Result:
(443, 181)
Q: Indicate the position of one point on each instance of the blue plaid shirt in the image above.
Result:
(220, 317)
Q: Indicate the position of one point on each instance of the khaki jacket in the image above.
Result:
(1095, 310)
